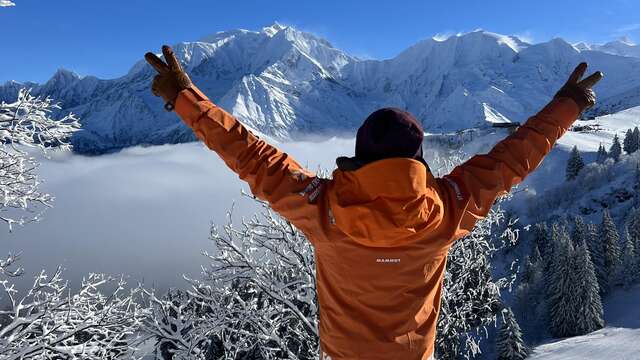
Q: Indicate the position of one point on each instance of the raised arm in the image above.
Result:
(471, 188)
(272, 175)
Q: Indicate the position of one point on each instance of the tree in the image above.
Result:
(99, 321)
(530, 295)
(596, 252)
(574, 164)
(509, 343)
(628, 270)
(611, 239)
(28, 123)
(627, 142)
(602, 154)
(579, 232)
(588, 307)
(616, 149)
(560, 288)
(636, 139)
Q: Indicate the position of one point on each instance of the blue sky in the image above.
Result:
(104, 38)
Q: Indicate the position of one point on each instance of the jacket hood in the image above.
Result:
(386, 203)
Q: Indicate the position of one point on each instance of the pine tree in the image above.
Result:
(574, 164)
(627, 143)
(615, 150)
(636, 140)
(602, 154)
(628, 270)
(579, 232)
(596, 251)
(560, 288)
(611, 238)
(541, 238)
(530, 295)
(588, 306)
(509, 343)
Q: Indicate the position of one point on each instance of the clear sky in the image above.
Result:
(104, 38)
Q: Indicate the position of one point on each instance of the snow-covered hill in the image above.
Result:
(291, 84)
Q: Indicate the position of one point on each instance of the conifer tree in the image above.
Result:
(628, 270)
(579, 232)
(542, 238)
(588, 305)
(602, 154)
(616, 149)
(636, 140)
(509, 343)
(627, 142)
(561, 288)
(574, 164)
(596, 251)
(611, 239)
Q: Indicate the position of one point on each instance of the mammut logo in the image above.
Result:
(387, 260)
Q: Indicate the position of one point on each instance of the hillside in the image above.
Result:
(619, 340)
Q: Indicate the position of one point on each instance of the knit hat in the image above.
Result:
(386, 133)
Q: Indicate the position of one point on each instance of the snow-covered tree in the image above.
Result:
(626, 142)
(602, 154)
(588, 305)
(27, 123)
(509, 343)
(596, 248)
(471, 296)
(541, 238)
(616, 149)
(611, 239)
(50, 321)
(629, 265)
(636, 139)
(561, 288)
(530, 295)
(574, 164)
(579, 232)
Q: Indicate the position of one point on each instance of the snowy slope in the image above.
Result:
(290, 84)
(620, 340)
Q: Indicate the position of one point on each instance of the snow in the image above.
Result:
(619, 340)
(608, 343)
(290, 84)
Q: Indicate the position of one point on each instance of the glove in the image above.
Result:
(171, 79)
(580, 91)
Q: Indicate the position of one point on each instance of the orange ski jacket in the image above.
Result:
(380, 233)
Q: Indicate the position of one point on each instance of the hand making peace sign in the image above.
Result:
(171, 79)
(581, 91)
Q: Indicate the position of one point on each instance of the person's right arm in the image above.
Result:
(470, 190)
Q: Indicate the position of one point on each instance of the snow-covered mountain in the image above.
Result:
(623, 47)
(289, 84)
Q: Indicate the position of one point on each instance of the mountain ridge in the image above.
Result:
(289, 84)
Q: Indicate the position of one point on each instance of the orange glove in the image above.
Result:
(580, 91)
(171, 79)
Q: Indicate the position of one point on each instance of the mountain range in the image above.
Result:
(290, 84)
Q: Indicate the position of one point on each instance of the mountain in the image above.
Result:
(290, 84)
(623, 47)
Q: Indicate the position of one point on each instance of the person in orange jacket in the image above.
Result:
(382, 226)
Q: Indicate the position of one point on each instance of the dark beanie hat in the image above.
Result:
(388, 133)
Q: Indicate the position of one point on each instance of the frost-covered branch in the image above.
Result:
(101, 320)
(23, 124)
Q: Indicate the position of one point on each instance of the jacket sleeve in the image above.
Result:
(272, 175)
(470, 189)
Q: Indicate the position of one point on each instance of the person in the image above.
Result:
(382, 226)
